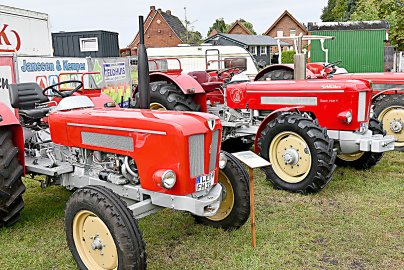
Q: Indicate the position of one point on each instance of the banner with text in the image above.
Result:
(7, 76)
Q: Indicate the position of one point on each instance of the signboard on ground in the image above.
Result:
(6, 78)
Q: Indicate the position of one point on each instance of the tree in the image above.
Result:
(220, 26)
(194, 38)
(328, 15)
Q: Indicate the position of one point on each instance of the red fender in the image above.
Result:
(9, 120)
(269, 118)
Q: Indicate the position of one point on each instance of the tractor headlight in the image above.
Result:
(168, 179)
(222, 161)
(345, 117)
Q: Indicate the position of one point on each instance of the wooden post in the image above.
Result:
(252, 210)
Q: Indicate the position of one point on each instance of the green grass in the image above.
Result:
(355, 223)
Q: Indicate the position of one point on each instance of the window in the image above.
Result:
(263, 50)
(89, 44)
(279, 33)
(292, 32)
(253, 50)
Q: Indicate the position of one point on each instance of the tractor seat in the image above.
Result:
(26, 97)
(207, 82)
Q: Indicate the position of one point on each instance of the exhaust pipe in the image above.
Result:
(143, 69)
(300, 60)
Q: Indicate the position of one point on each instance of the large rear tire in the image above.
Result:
(167, 96)
(389, 109)
(11, 185)
(102, 232)
(363, 160)
(235, 206)
(300, 152)
(277, 75)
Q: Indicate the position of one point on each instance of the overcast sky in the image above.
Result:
(122, 15)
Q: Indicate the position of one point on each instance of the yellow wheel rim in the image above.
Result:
(94, 242)
(393, 122)
(157, 106)
(227, 203)
(351, 157)
(290, 157)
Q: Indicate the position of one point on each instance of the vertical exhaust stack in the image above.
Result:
(300, 60)
(143, 69)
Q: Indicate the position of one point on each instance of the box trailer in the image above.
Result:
(24, 32)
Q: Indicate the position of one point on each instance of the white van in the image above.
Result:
(206, 57)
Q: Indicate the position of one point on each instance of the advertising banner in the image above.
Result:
(114, 77)
(6, 77)
(46, 70)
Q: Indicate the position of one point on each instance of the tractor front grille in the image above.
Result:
(197, 153)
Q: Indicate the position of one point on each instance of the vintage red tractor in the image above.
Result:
(122, 164)
(295, 125)
(387, 87)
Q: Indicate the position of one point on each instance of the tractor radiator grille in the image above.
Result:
(196, 154)
(213, 150)
(107, 141)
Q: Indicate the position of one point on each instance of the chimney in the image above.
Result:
(159, 10)
(168, 12)
(153, 8)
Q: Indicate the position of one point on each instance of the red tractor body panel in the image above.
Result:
(155, 140)
(187, 84)
(9, 120)
(325, 99)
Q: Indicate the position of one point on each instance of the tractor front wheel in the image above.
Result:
(363, 160)
(389, 109)
(11, 185)
(102, 232)
(166, 96)
(235, 206)
(300, 152)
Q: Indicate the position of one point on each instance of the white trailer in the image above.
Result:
(24, 32)
(206, 57)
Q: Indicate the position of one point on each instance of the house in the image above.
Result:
(258, 45)
(162, 29)
(239, 28)
(286, 25)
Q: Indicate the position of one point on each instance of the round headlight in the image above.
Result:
(222, 161)
(168, 179)
(349, 117)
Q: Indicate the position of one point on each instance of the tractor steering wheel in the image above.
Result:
(239, 70)
(332, 65)
(64, 93)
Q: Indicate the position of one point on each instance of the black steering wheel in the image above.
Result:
(240, 69)
(332, 65)
(63, 94)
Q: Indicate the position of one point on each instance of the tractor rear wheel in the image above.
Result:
(363, 160)
(102, 232)
(389, 109)
(277, 74)
(167, 96)
(300, 152)
(235, 206)
(11, 185)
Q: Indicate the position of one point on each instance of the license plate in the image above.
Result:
(205, 181)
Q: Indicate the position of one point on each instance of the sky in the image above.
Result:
(122, 16)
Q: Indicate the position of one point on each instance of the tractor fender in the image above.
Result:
(9, 120)
(269, 118)
(392, 91)
(185, 82)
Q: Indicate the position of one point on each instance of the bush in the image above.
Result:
(287, 57)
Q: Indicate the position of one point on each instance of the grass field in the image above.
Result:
(357, 222)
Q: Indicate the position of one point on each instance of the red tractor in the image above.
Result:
(387, 88)
(107, 156)
(295, 125)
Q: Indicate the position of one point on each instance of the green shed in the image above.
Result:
(359, 45)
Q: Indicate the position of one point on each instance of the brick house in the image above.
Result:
(239, 28)
(162, 29)
(286, 25)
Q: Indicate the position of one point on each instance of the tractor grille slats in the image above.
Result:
(197, 153)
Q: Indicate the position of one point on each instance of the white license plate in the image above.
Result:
(205, 181)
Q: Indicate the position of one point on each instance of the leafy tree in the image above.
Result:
(220, 26)
(328, 15)
(194, 38)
